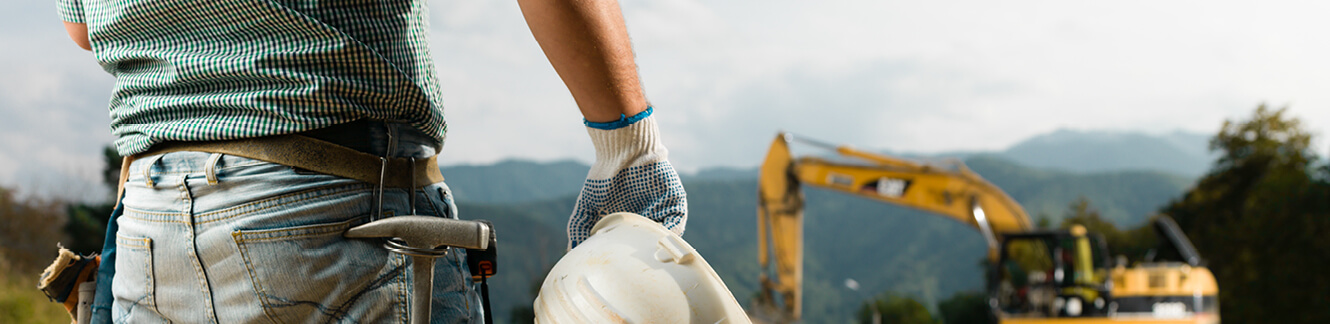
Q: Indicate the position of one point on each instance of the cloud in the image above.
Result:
(905, 76)
(53, 118)
(502, 98)
(969, 75)
(899, 104)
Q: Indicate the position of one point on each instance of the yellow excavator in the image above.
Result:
(1034, 276)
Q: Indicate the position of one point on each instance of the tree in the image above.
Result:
(29, 231)
(895, 309)
(1133, 243)
(87, 222)
(526, 313)
(1261, 217)
(967, 307)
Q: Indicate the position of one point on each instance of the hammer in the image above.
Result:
(425, 238)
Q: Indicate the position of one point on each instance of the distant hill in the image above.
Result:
(721, 174)
(530, 239)
(1183, 155)
(1179, 152)
(515, 181)
(882, 247)
(1099, 151)
(1125, 197)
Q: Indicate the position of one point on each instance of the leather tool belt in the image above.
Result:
(318, 156)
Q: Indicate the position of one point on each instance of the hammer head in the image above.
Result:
(426, 232)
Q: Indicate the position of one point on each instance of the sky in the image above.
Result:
(726, 75)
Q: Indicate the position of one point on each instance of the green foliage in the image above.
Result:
(86, 228)
(21, 302)
(891, 308)
(528, 246)
(966, 307)
(526, 314)
(1261, 218)
(522, 315)
(1267, 141)
(1124, 197)
(1135, 243)
(111, 167)
(30, 229)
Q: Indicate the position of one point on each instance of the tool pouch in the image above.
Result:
(67, 281)
(483, 262)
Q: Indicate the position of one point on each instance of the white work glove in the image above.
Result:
(631, 174)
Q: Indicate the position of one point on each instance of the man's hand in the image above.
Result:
(631, 174)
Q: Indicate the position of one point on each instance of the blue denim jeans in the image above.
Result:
(215, 238)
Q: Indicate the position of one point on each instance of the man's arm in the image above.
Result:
(588, 44)
(79, 33)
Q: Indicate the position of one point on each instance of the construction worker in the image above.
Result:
(253, 132)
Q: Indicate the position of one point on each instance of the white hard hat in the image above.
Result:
(633, 270)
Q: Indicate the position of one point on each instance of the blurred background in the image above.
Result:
(1099, 111)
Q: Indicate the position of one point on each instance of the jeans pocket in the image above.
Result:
(440, 199)
(455, 299)
(133, 285)
(312, 274)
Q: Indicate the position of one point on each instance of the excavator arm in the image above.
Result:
(958, 194)
(1185, 291)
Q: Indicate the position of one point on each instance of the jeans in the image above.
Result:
(215, 238)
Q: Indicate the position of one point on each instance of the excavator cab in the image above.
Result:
(1051, 274)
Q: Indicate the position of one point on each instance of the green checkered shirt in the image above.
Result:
(193, 70)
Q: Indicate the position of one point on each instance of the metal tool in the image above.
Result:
(423, 238)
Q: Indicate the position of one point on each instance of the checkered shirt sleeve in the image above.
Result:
(71, 10)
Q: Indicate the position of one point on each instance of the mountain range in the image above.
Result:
(882, 247)
(1178, 152)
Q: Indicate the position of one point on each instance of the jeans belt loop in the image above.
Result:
(210, 169)
(147, 170)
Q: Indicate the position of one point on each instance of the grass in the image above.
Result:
(30, 228)
(21, 302)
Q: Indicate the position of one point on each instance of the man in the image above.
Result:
(238, 118)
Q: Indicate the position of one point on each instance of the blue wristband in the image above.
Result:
(623, 121)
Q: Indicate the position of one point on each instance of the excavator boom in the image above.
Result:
(780, 233)
(1039, 276)
(958, 194)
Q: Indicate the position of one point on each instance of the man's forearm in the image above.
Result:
(588, 44)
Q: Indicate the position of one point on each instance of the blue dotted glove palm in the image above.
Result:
(631, 174)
